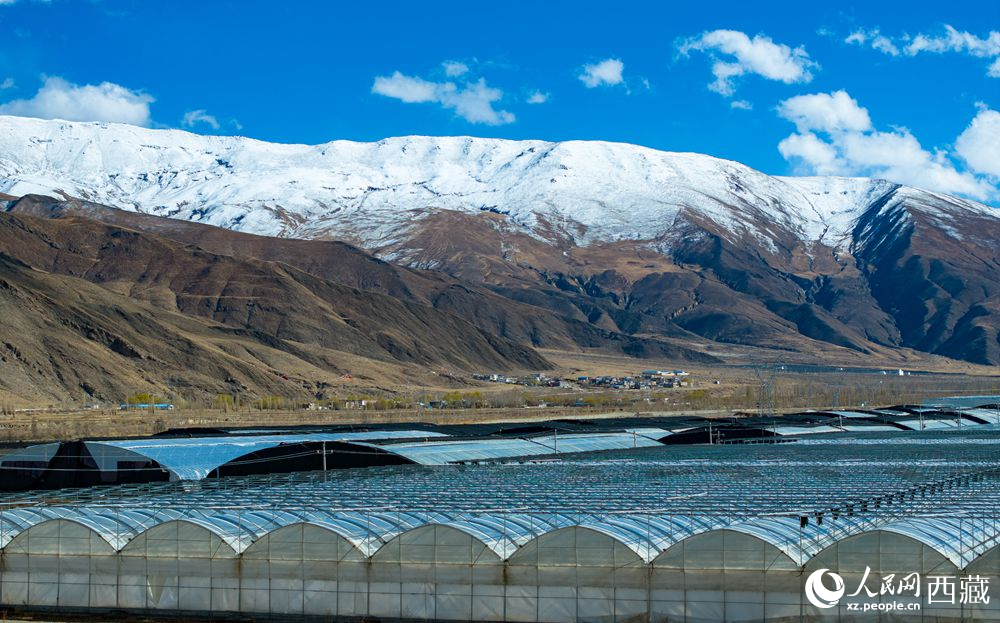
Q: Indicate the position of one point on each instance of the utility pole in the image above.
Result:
(765, 374)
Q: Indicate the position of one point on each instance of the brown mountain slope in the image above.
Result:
(707, 287)
(626, 247)
(272, 304)
(344, 264)
(908, 279)
(917, 273)
(64, 338)
(942, 289)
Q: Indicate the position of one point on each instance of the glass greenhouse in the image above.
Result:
(640, 532)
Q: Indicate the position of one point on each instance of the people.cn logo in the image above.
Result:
(818, 595)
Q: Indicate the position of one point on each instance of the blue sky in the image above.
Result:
(904, 90)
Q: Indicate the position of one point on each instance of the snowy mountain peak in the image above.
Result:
(587, 244)
(370, 193)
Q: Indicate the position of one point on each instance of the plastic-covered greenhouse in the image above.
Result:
(658, 533)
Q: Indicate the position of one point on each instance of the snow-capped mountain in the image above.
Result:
(371, 193)
(627, 239)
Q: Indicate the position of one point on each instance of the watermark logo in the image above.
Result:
(940, 589)
(819, 595)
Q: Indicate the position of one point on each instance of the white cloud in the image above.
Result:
(741, 105)
(453, 69)
(954, 40)
(605, 73)
(979, 144)
(735, 54)
(8, 83)
(875, 39)
(820, 156)
(537, 97)
(898, 156)
(835, 136)
(13, 2)
(951, 40)
(858, 36)
(826, 112)
(473, 101)
(885, 45)
(59, 99)
(408, 89)
(200, 116)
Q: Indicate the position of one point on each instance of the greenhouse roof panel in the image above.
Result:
(194, 458)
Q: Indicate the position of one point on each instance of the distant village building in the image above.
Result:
(647, 379)
(159, 406)
(357, 404)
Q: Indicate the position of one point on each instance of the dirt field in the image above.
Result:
(715, 392)
(66, 425)
(89, 424)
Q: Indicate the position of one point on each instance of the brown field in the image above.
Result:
(715, 392)
(62, 425)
